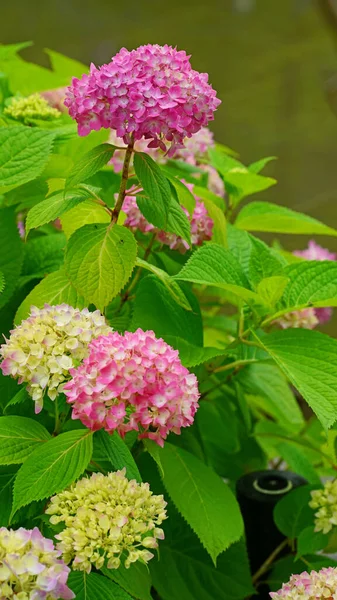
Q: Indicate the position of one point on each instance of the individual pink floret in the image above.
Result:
(151, 92)
(135, 382)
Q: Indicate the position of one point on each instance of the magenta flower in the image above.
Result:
(151, 92)
(316, 252)
(135, 382)
(316, 585)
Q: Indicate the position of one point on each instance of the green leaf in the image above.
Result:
(65, 66)
(171, 285)
(309, 360)
(258, 165)
(53, 207)
(287, 566)
(223, 162)
(24, 154)
(136, 580)
(191, 355)
(264, 216)
(203, 499)
(219, 232)
(2, 282)
(261, 379)
(19, 436)
(95, 587)
(156, 206)
(205, 194)
(89, 164)
(154, 308)
(52, 467)
(263, 261)
(243, 183)
(11, 253)
(85, 213)
(178, 222)
(119, 454)
(54, 289)
(214, 265)
(185, 571)
(28, 194)
(309, 541)
(292, 513)
(270, 289)
(7, 477)
(20, 397)
(185, 197)
(44, 254)
(99, 261)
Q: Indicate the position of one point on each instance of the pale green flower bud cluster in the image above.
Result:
(325, 500)
(42, 350)
(31, 108)
(108, 520)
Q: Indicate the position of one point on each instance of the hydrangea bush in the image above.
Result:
(153, 348)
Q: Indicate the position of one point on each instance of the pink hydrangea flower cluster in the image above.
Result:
(151, 92)
(316, 585)
(316, 252)
(131, 382)
(305, 319)
(30, 567)
(201, 224)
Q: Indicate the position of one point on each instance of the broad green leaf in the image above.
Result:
(261, 379)
(292, 513)
(54, 289)
(84, 214)
(263, 261)
(44, 254)
(99, 261)
(24, 154)
(19, 436)
(8, 389)
(203, 499)
(214, 265)
(156, 206)
(264, 216)
(52, 467)
(223, 162)
(11, 252)
(65, 66)
(93, 586)
(89, 164)
(20, 397)
(270, 289)
(219, 232)
(185, 197)
(2, 282)
(191, 355)
(246, 183)
(54, 206)
(28, 194)
(10, 50)
(135, 580)
(258, 165)
(171, 285)
(178, 222)
(310, 541)
(205, 194)
(185, 571)
(218, 427)
(7, 477)
(309, 360)
(119, 454)
(154, 308)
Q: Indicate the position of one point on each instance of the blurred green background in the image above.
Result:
(273, 62)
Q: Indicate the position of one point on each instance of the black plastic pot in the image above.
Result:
(257, 494)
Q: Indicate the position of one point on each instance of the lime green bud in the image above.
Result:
(27, 110)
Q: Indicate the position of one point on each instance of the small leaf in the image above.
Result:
(119, 454)
(271, 289)
(99, 261)
(52, 467)
(19, 436)
(7, 477)
(258, 165)
(24, 153)
(20, 397)
(44, 254)
(191, 355)
(89, 164)
(85, 213)
(309, 541)
(53, 207)
(93, 586)
(54, 289)
(185, 197)
(219, 231)
(264, 216)
(201, 496)
(178, 222)
(156, 206)
(171, 285)
(309, 360)
(292, 513)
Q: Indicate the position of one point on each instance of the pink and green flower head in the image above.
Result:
(316, 585)
(131, 382)
(151, 92)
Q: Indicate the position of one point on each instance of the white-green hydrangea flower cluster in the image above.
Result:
(325, 500)
(30, 567)
(44, 347)
(27, 110)
(108, 520)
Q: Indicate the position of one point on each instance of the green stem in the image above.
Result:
(269, 561)
(235, 364)
(124, 181)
